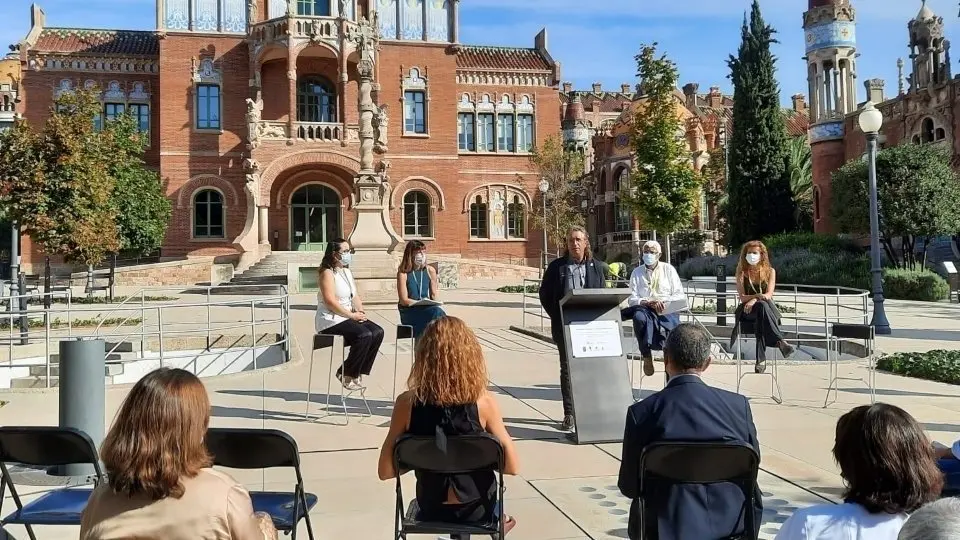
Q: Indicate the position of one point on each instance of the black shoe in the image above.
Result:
(760, 366)
(568, 424)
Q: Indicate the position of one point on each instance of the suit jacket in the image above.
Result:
(687, 409)
(554, 286)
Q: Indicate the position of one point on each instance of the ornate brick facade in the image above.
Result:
(252, 101)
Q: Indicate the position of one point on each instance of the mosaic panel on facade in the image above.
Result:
(831, 34)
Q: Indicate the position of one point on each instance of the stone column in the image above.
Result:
(262, 225)
(373, 237)
(292, 90)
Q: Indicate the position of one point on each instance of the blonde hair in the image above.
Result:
(448, 368)
(761, 271)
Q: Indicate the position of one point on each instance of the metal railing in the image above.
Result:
(196, 320)
(814, 308)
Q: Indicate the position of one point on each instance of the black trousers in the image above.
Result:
(364, 340)
(566, 392)
(766, 328)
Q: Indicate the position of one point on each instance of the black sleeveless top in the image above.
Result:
(432, 489)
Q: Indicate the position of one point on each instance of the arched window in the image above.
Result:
(515, 218)
(926, 130)
(316, 100)
(208, 219)
(416, 214)
(478, 218)
(623, 221)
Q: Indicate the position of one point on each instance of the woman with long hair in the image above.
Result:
(756, 282)
(160, 484)
(340, 313)
(417, 282)
(889, 469)
(447, 392)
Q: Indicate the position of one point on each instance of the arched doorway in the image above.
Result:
(314, 217)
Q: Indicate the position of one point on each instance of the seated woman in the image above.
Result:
(889, 469)
(949, 462)
(340, 313)
(159, 482)
(417, 281)
(656, 297)
(448, 392)
(756, 281)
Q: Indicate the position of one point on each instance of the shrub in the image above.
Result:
(941, 366)
(798, 266)
(922, 285)
(519, 289)
(816, 243)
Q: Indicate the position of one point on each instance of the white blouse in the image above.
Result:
(848, 521)
(344, 288)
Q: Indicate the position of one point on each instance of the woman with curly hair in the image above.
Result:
(756, 281)
(160, 483)
(890, 470)
(447, 391)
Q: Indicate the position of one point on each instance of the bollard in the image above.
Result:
(82, 393)
(721, 298)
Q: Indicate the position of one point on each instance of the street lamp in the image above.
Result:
(544, 187)
(871, 120)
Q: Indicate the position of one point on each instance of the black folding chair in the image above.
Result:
(238, 448)
(463, 454)
(672, 463)
(46, 447)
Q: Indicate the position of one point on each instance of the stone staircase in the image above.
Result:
(122, 352)
(271, 271)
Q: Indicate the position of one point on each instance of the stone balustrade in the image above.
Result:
(289, 31)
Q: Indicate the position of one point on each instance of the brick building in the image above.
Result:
(266, 117)
(606, 123)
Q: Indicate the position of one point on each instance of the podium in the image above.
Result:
(598, 366)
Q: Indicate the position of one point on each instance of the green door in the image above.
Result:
(314, 218)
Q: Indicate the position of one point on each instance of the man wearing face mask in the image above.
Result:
(655, 301)
(577, 269)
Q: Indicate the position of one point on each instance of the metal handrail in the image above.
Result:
(280, 324)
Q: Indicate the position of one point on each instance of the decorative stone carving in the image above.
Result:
(254, 114)
(364, 37)
(254, 173)
(252, 11)
(271, 131)
(383, 168)
(205, 72)
(381, 127)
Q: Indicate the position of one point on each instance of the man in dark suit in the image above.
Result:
(577, 269)
(688, 410)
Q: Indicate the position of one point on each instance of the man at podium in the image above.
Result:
(576, 269)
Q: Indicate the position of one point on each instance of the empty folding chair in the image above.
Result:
(46, 447)
(239, 448)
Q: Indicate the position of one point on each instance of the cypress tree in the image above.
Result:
(760, 199)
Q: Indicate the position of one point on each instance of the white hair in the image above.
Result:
(652, 244)
(939, 520)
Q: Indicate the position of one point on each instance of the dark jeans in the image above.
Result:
(766, 328)
(364, 340)
(649, 327)
(951, 474)
(566, 392)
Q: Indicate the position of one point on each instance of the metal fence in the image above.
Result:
(202, 317)
(811, 309)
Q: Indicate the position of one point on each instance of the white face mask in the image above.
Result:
(753, 258)
(650, 259)
(346, 258)
(420, 259)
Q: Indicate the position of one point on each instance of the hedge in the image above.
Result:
(939, 365)
(914, 285)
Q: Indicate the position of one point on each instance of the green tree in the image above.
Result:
(57, 185)
(142, 209)
(562, 168)
(664, 189)
(760, 202)
(918, 192)
(801, 181)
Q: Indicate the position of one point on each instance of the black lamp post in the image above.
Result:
(871, 120)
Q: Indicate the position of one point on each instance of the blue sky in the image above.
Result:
(596, 40)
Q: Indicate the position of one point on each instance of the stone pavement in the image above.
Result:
(564, 490)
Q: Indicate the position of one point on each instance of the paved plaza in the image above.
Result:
(564, 490)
